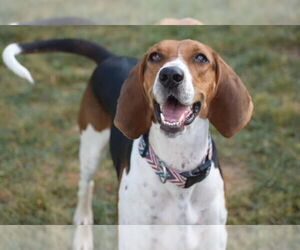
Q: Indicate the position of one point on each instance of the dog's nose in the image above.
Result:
(171, 77)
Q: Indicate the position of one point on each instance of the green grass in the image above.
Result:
(39, 137)
(149, 12)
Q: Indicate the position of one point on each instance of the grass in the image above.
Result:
(39, 137)
(149, 12)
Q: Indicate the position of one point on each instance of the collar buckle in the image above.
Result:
(164, 174)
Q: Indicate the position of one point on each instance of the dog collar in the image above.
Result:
(182, 179)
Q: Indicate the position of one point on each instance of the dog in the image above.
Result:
(155, 114)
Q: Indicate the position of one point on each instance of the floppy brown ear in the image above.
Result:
(231, 108)
(133, 116)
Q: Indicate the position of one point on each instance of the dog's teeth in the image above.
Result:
(172, 124)
(162, 117)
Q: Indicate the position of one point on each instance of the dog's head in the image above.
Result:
(175, 82)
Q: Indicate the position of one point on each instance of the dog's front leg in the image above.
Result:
(92, 144)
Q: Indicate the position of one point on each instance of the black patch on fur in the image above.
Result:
(120, 149)
(107, 81)
(68, 45)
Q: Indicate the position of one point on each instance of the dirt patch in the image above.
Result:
(73, 178)
(236, 176)
(5, 195)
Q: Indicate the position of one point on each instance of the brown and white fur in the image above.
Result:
(143, 199)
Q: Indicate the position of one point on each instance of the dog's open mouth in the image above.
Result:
(173, 115)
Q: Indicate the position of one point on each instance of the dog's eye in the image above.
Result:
(200, 59)
(155, 57)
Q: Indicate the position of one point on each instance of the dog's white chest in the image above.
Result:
(143, 199)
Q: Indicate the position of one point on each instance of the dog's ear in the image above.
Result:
(231, 107)
(133, 116)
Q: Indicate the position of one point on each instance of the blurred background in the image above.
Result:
(149, 12)
(39, 135)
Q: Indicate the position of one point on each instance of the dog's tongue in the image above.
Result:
(173, 111)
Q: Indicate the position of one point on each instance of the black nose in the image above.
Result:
(171, 77)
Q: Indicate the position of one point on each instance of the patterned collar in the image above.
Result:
(182, 179)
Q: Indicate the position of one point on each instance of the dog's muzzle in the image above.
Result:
(173, 106)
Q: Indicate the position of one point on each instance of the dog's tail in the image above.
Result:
(69, 45)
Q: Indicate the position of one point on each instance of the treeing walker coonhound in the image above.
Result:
(155, 115)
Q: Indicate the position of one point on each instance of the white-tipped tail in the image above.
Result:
(11, 62)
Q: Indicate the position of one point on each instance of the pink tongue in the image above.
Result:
(172, 112)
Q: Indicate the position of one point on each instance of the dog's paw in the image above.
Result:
(83, 238)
